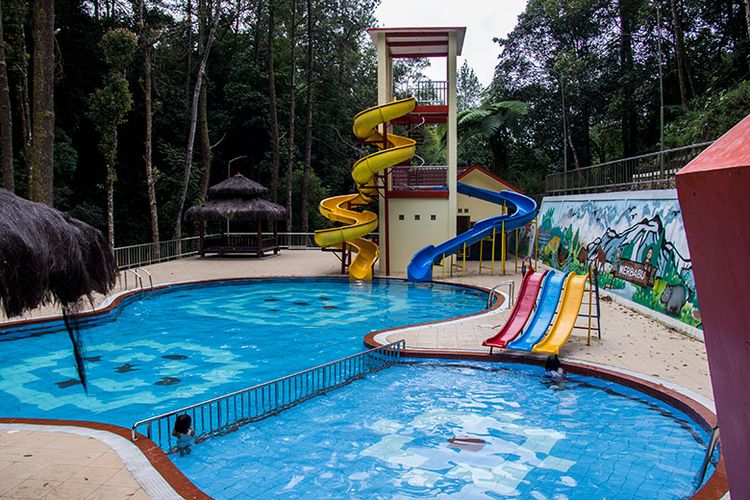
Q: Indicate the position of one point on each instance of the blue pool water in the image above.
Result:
(386, 436)
(185, 344)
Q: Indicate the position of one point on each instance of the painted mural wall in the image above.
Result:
(635, 239)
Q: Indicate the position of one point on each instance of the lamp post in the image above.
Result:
(229, 168)
(661, 93)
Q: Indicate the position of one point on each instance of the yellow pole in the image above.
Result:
(515, 258)
(494, 232)
(463, 269)
(442, 267)
(481, 249)
(502, 248)
(536, 242)
(591, 292)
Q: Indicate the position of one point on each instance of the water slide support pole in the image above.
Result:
(536, 242)
(481, 250)
(591, 296)
(515, 257)
(494, 239)
(502, 250)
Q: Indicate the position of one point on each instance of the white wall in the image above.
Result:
(409, 235)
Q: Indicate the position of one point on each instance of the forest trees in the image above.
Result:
(109, 106)
(282, 80)
(589, 71)
(145, 117)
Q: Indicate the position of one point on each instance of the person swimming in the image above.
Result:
(553, 368)
(184, 434)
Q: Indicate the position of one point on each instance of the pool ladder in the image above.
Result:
(511, 292)
(709, 454)
(138, 278)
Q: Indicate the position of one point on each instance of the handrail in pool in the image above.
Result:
(511, 292)
(226, 413)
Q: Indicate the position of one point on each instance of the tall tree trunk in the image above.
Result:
(747, 16)
(110, 183)
(194, 118)
(206, 158)
(629, 116)
(683, 66)
(43, 118)
(308, 123)
(292, 101)
(189, 58)
(146, 46)
(6, 120)
(272, 107)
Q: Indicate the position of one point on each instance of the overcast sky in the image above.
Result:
(483, 19)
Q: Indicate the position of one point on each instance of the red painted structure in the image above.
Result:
(530, 286)
(714, 194)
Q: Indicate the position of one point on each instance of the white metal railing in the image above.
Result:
(150, 253)
(147, 253)
(648, 171)
(226, 413)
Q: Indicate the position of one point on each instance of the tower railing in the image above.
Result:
(228, 412)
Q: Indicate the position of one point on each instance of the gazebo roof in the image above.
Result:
(240, 209)
(237, 186)
(236, 198)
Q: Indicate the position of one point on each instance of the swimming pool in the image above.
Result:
(387, 436)
(183, 344)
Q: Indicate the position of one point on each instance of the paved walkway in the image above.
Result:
(62, 465)
(66, 465)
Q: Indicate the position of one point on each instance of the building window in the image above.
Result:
(416, 217)
(433, 217)
(400, 216)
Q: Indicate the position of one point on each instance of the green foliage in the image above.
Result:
(468, 88)
(712, 116)
(118, 48)
(109, 106)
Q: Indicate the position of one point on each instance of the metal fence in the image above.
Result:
(427, 93)
(649, 171)
(147, 253)
(418, 178)
(227, 413)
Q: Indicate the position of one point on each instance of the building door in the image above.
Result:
(463, 224)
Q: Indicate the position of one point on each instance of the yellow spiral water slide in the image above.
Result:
(394, 150)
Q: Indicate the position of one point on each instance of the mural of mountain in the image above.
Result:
(637, 241)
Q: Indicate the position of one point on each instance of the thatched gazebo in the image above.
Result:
(237, 198)
(47, 257)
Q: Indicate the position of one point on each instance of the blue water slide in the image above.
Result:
(545, 312)
(522, 209)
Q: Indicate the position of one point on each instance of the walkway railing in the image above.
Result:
(227, 413)
(649, 171)
(147, 253)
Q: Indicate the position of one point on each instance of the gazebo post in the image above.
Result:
(260, 237)
(274, 228)
(202, 238)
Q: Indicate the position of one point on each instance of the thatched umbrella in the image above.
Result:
(47, 256)
(237, 198)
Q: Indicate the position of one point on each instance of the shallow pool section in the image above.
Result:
(387, 436)
(184, 344)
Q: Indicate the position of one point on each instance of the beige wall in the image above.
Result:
(408, 236)
(479, 209)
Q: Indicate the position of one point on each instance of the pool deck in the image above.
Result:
(61, 462)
